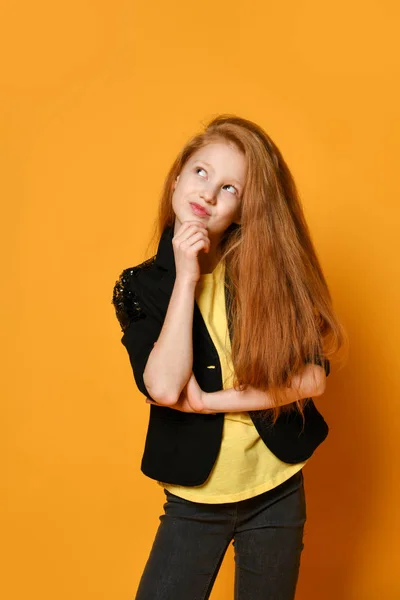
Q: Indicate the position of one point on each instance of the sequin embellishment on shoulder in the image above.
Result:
(125, 300)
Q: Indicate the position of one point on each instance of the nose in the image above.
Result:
(207, 194)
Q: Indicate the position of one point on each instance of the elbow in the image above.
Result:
(311, 381)
(156, 394)
(318, 381)
(318, 392)
(159, 396)
(168, 400)
(163, 400)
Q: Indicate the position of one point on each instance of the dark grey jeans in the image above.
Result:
(192, 538)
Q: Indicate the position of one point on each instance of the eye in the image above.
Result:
(232, 186)
(228, 184)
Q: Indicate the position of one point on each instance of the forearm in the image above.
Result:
(170, 363)
(231, 400)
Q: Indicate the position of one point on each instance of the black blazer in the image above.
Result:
(181, 448)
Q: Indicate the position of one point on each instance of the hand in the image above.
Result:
(190, 239)
(191, 399)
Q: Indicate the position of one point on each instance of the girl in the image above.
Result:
(229, 329)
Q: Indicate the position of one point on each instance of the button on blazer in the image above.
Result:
(181, 448)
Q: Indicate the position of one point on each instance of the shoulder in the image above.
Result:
(126, 296)
(133, 274)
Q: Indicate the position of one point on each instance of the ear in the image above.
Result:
(176, 181)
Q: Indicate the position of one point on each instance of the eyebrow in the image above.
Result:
(208, 165)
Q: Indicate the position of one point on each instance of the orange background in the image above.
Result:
(96, 100)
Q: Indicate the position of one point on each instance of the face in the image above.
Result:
(214, 178)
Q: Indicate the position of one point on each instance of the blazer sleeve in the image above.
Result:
(140, 327)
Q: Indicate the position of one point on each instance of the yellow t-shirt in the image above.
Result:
(244, 466)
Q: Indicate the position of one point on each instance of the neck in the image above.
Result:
(207, 263)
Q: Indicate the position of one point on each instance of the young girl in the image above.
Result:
(229, 329)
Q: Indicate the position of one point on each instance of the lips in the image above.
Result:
(199, 208)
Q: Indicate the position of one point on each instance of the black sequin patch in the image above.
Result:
(126, 302)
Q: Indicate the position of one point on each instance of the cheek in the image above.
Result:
(230, 209)
(183, 183)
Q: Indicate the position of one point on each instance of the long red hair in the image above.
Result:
(281, 307)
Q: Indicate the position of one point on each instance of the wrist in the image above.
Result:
(184, 282)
